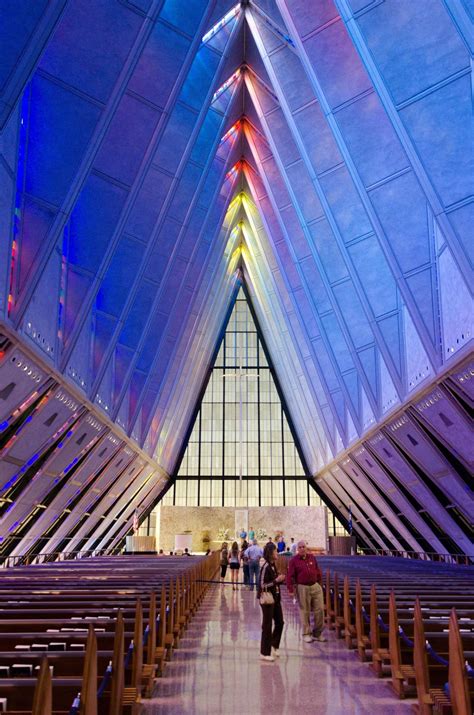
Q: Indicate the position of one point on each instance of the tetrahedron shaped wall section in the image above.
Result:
(214, 289)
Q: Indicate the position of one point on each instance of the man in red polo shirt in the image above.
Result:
(305, 575)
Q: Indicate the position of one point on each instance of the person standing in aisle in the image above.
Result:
(224, 561)
(270, 602)
(305, 576)
(254, 554)
(234, 562)
(245, 563)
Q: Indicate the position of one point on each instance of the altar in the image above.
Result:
(183, 541)
(208, 527)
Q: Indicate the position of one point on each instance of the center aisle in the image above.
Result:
(217, 671)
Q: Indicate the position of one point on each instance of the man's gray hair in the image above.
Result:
(254, 542)
(302, 542)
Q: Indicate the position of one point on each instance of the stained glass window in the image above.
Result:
(241, 451)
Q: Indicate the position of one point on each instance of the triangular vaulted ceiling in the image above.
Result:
(151, 150)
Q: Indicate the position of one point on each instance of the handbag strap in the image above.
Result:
(265, 586)
(262, 584)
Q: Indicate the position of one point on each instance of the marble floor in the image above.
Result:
(217, 670)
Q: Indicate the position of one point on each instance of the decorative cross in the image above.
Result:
(240, 375)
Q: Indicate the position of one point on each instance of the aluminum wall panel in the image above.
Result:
(439, 413)
(79, 483)
(80, 438)
(386, 484)
(411, 439)
(393, 460)
(20, 380)
(121, 515)
(358, 514)
(352, 469)
(56, 411)
(462, 381)
(146, 497)
(93, 496)
(107, 500)
(359, 496)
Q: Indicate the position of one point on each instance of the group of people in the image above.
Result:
(279, 540)
(248, 556)
(303, 580)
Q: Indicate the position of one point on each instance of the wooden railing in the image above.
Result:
(458, 559)
(48, 557)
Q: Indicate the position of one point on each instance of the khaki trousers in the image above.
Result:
(310, 600)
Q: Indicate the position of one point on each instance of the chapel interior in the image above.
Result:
(236, 253)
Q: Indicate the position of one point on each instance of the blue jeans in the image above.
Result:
(254, 571)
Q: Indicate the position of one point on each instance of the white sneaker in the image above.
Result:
(320, 638)
(275, 653)
(308, 639)
(269, 658)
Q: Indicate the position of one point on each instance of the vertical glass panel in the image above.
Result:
(216, 496)
(180, 498)
(277, 492)
(301, 493)
(192, 492)
(289, 463)
(229, 493)
(205, 493)
(220, 357)
(253, 493)
(241, 491)
(168, 499)
(266, 492)
(299, 471)
(290, 492)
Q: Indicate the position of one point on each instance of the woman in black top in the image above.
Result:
(269, 580)
(224, 560)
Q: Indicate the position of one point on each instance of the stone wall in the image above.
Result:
(301, 522)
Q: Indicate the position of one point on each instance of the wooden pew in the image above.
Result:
(424, 690)
(328, 601)
(338, 616)
(169, 635)
(363, 642)
(380, 655)
(44, 601)
(132, 693)
(423, 665)
(43, 697)
(432, 677)
(160, 650)
(462, 698)
(349, 632)
(48, 699)
(118, 679)
(402, 674)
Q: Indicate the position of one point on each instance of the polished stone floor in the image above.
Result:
(217, 670)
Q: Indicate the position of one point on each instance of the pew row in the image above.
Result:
(97, 633)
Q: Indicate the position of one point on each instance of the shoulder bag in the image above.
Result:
(266, 598)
